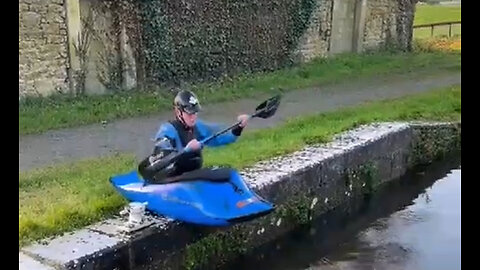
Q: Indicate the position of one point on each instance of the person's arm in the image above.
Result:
(164, 147)
(208, 129)
(166, 130)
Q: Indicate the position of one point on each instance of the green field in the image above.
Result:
(65, 197)
(426, 14)
(435, 13)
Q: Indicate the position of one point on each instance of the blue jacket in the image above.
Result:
(167, 135)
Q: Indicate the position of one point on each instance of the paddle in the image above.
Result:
(265, 110)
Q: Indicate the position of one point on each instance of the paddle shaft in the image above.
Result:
(204, 141)
(221, 132)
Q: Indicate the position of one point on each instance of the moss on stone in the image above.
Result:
(296, 211)
(217, 248)
(364, 177)
(433, 143)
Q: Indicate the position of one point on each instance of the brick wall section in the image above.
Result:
(316, 40)
(42, 47)
(405, 17)
(388, 22)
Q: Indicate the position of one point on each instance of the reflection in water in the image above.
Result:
(410, 224)
(425, 235)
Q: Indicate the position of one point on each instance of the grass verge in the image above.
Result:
(445, 44)
(65, 197)
(42, 114)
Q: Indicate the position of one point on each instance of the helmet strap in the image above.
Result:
(180, 118)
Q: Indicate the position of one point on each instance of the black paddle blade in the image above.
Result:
(268, 107)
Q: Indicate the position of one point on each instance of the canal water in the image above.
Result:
(410, 224)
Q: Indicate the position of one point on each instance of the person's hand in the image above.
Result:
(244, 120)
(194, 145)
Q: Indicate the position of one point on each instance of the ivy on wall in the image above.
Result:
(195, 40)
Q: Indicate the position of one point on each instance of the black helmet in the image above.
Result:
(187, 101)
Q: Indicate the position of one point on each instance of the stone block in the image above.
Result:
(30, 19)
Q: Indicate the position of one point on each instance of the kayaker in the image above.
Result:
(185, 130)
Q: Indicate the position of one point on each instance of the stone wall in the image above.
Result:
(100, 66)
(388, 22)
(43, 54)
(43, 44)
(316, 40)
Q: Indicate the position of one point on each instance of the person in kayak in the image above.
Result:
(186, 130)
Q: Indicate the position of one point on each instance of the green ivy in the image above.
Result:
(300, 17)
(202, 40)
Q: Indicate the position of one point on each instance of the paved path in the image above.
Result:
(134, 134)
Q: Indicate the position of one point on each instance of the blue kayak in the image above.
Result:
(214, 197)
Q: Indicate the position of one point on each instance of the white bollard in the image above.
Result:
(136, 212)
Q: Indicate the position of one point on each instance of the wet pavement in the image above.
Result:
(134, 135)
(413, 224)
